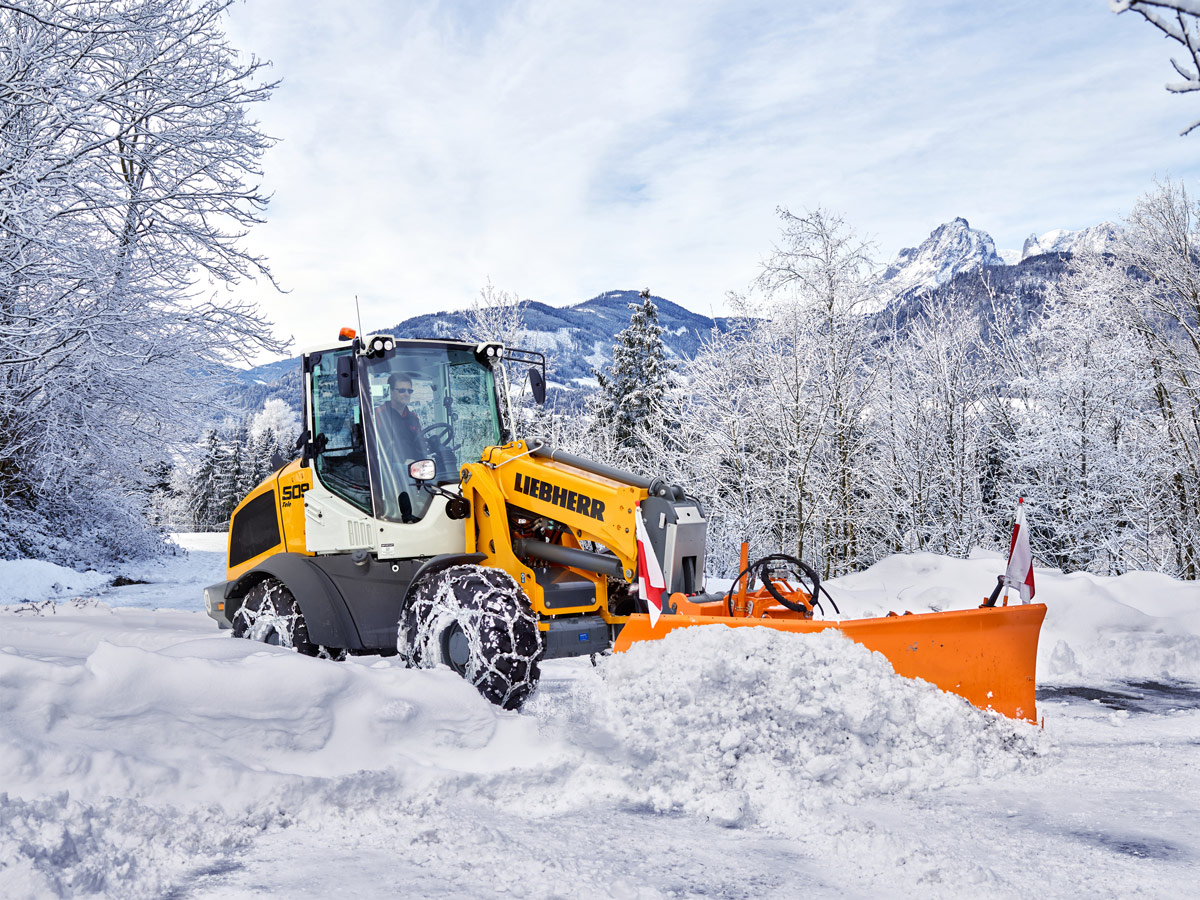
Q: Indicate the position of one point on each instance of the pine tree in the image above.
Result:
(205, 506)
(632, 399)
(160, 495)
(264, 446)
(236, 480)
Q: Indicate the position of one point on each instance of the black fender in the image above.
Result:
(326, 613)
(435, 564)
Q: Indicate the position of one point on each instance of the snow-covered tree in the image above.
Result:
(277, 417)
(930, 433)
(1179, 21)
(815, 382)
(631, 400)
(206, 504)
(1084, 450)
(496, 315)
(722, 454)
(1158, 284)
(128, 170)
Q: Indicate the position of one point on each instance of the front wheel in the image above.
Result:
(270, 614)
(478, 622)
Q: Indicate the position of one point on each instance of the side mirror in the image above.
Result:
(345, 376)
(303, 445)
(537, 384)
(422, 470)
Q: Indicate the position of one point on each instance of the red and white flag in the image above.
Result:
(651, 583)
(1020, 559)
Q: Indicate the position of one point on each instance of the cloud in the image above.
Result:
(565, 149)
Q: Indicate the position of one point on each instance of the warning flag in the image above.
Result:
(1020, 558)
(651, 583)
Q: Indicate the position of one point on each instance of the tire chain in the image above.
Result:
(278, 612)
(497, 621)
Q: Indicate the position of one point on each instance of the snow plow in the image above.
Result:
(987, 655)
(414, 523)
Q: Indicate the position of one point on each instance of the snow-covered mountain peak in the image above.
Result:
(1097, 238)
(950, 249)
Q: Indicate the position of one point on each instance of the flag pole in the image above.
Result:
(1016, 520)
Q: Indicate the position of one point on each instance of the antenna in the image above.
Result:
(358, 310)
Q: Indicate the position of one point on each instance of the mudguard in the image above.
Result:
(329, 621)
(437, 563)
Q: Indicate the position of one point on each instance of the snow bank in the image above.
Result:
(59, 847)
(216, 720)
(205, 541)
(23, 580)
(143, 752)
(755, 726)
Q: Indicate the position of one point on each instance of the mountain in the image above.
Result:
(951, 249)
(1021, 288)
(578, 338)
(960, 265)
(1096, 239)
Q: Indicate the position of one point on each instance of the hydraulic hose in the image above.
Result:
(756, 570)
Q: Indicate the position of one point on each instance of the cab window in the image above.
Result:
(432, 402)
(340, 458)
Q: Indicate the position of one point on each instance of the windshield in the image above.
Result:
(426, 402)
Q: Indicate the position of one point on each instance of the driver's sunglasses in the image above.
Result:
(403, 390)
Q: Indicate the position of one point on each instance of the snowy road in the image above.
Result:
(144, 754)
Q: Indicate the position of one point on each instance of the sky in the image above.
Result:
(564, 149)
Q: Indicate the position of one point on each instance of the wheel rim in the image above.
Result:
(268, 630)
(456, 649)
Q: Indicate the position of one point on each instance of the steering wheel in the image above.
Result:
(438, 433)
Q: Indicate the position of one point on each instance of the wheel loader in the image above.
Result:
(414, 522)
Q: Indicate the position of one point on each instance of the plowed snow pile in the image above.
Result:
(750, 725)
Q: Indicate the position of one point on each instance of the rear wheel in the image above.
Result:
(269, 614)
(478, 622)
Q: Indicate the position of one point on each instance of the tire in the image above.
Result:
(269, 614)
(478, 622)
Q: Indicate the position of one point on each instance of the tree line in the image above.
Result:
(810, 428)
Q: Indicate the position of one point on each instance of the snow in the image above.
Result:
(144, 753)
(32, 579)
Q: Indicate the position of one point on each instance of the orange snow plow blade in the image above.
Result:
(987, 655)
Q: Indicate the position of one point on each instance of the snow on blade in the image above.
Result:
(751, 725)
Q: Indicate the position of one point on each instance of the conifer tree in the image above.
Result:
(632, 400)
(205, 506)
(263, 447)
(236, 481)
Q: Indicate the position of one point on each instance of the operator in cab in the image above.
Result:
(398, 424)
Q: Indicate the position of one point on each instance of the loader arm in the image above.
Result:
(532, 509)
